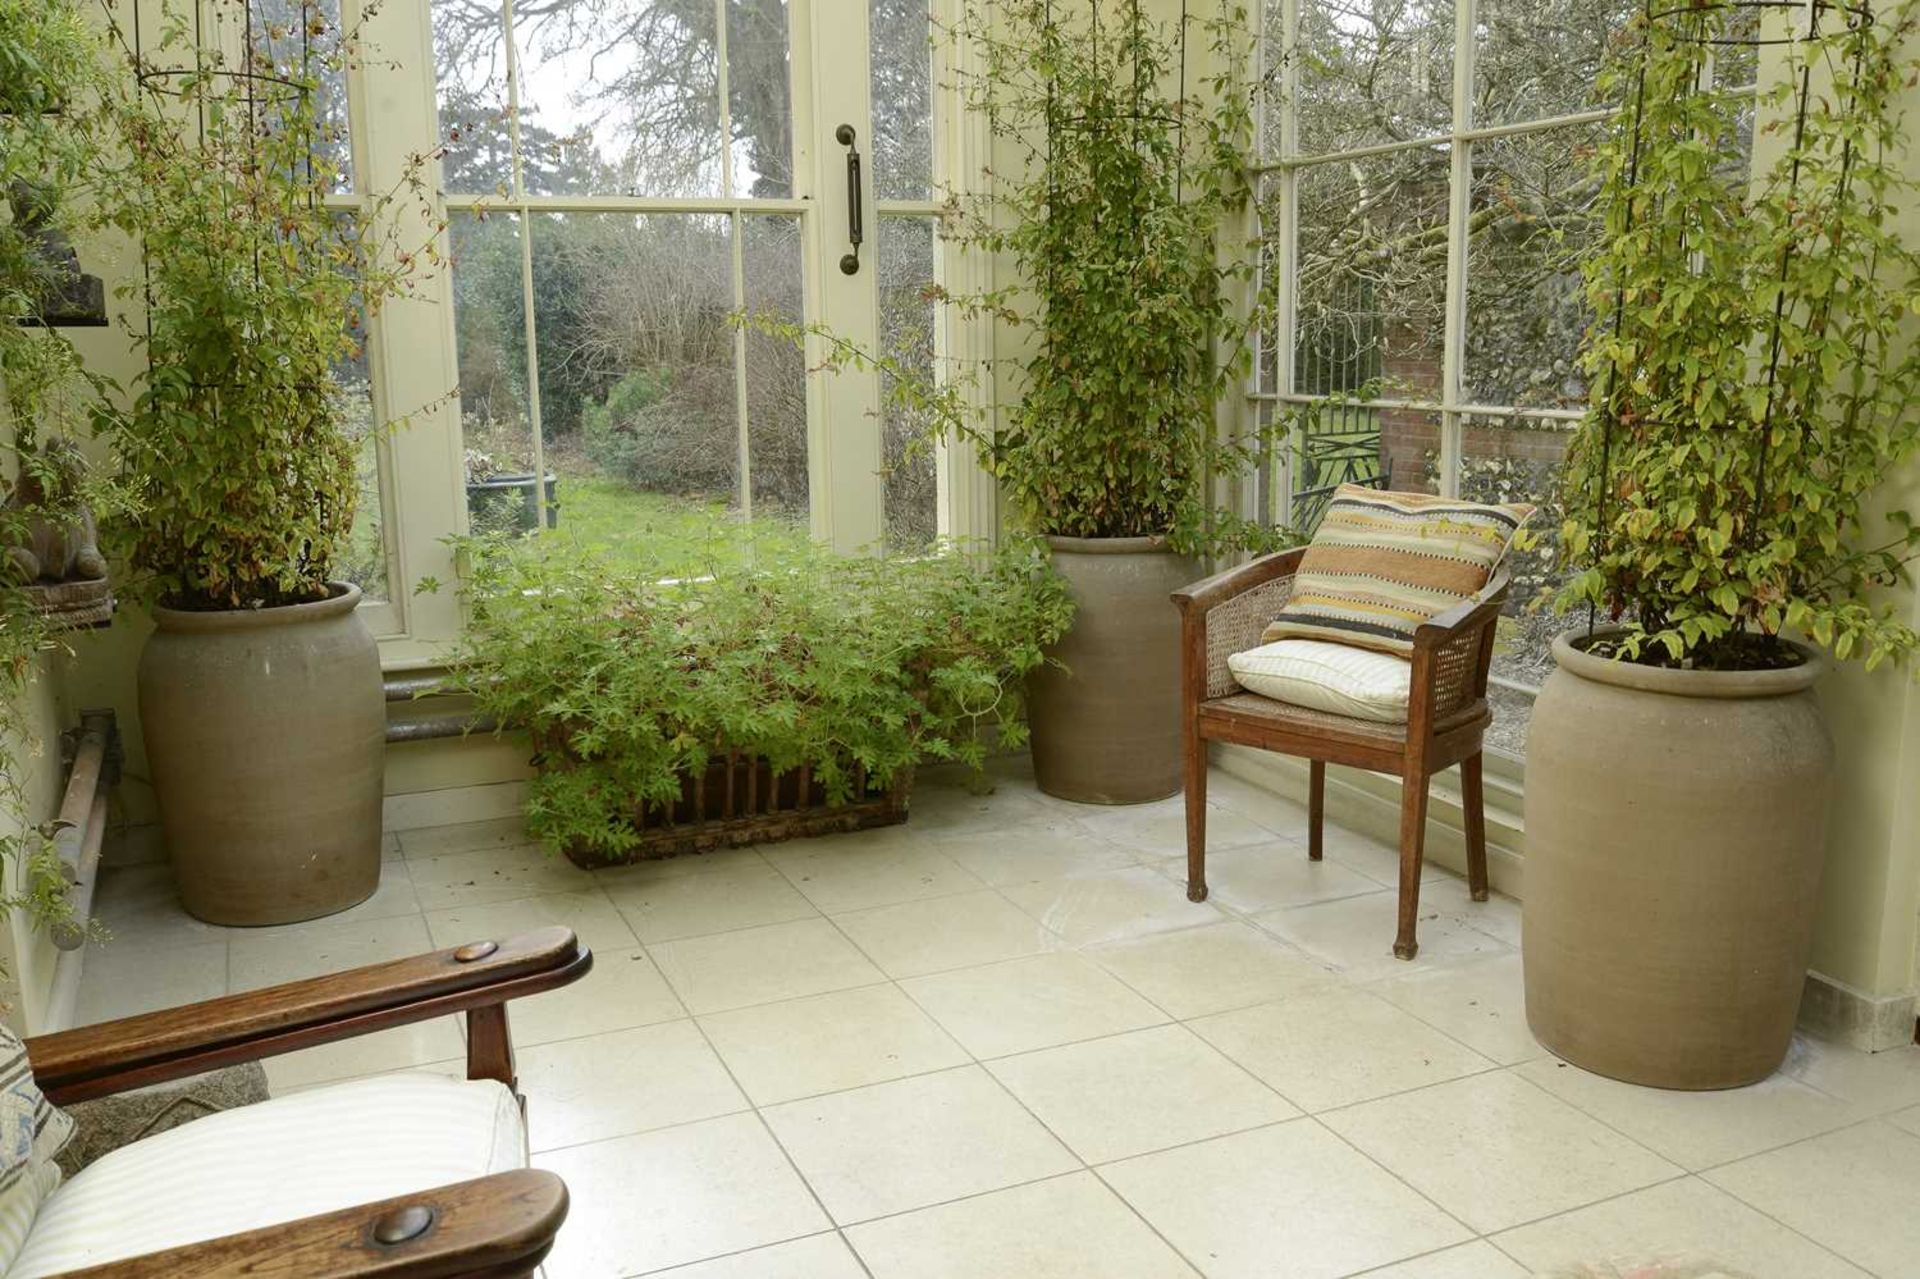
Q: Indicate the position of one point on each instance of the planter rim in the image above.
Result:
(1153, 544)
(1718, 685)
(345, 598)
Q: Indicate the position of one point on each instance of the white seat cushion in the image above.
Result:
(1336, 678)
(292, 1157)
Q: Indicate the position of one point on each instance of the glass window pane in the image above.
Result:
(758, 98)
(1535, 215)
(490, 340)
(1536, 59)
(1518, 459)
(1370, 276)
(1373, 73)
(902, 62)
(470, 68)
(364, 559)
(776, 373)
(619, 99)
(1330, 444)
(300, 40)
(907, 318)
(636, 370)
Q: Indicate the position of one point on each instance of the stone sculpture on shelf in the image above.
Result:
(56, 550)
(70, 298)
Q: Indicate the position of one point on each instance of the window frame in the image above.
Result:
(1280, 233)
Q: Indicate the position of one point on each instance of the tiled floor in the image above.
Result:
(1000, 1042)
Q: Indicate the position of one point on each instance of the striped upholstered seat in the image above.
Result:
(276, 1162)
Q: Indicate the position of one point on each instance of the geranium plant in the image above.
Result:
(1754, 374)
(630, 674)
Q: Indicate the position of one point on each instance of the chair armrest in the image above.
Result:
(132, 1052)
(1209, 593)
(1452, 651)
(490, 1228)
(1225, 614)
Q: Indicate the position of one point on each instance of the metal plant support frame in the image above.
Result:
(1709, 37)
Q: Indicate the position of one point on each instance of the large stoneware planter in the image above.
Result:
(1106, 729)
(265, 732)
(1676, 827)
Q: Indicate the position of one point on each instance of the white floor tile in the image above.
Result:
(1355, 935)
(677, 1195)
(1071, 1227)
(628, 1081)
(912, 939)
(914, 1142)
(464, 837)
(1682, 1223)
(1495, 1151)
(423, 1043)
(1293, 1195)
(847, 1039)
(1336, 1047)
(815, 1257)
(1852, 1191)
(761, 965)
(493, 875)
(269, 956)
(141, 907)
(1269, 877)
(121, 979)
(869, 868)
(1877, 1082)
(1476, 1260)
(1032, 850)
(1482, 1003)
(1698, 1129)
(745, 895)
(1197, 971)
(1160, 830)
(1023, 1004)
(1908, 1120)
(623, 990)
(1110, 905)
(590, 915)
(1135, 1093)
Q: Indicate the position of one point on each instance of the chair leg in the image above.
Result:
(1316, 808)
(1196, 791)
(1413, 832)
(1473, 804)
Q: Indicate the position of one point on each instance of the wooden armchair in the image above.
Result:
(498, 1226)
(1446, 716)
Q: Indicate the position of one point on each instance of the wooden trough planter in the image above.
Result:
(741, 800)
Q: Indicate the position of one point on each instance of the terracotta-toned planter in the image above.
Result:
(1106, 729)
(1676, 829)
(266, 736)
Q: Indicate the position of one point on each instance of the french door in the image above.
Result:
(620, 178)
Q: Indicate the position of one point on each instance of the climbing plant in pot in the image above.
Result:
(260, 690)
(1752, 388)
(1119, 166)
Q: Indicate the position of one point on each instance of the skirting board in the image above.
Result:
(1369, 803)
(1836, 1011)
(453, 805)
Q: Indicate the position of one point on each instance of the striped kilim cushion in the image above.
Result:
(1383, 563)
(32, 1130)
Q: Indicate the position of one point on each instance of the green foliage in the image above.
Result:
(1705, 515)
(48, 70)
(1116, 207)
(257, 298)
(628, 678)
